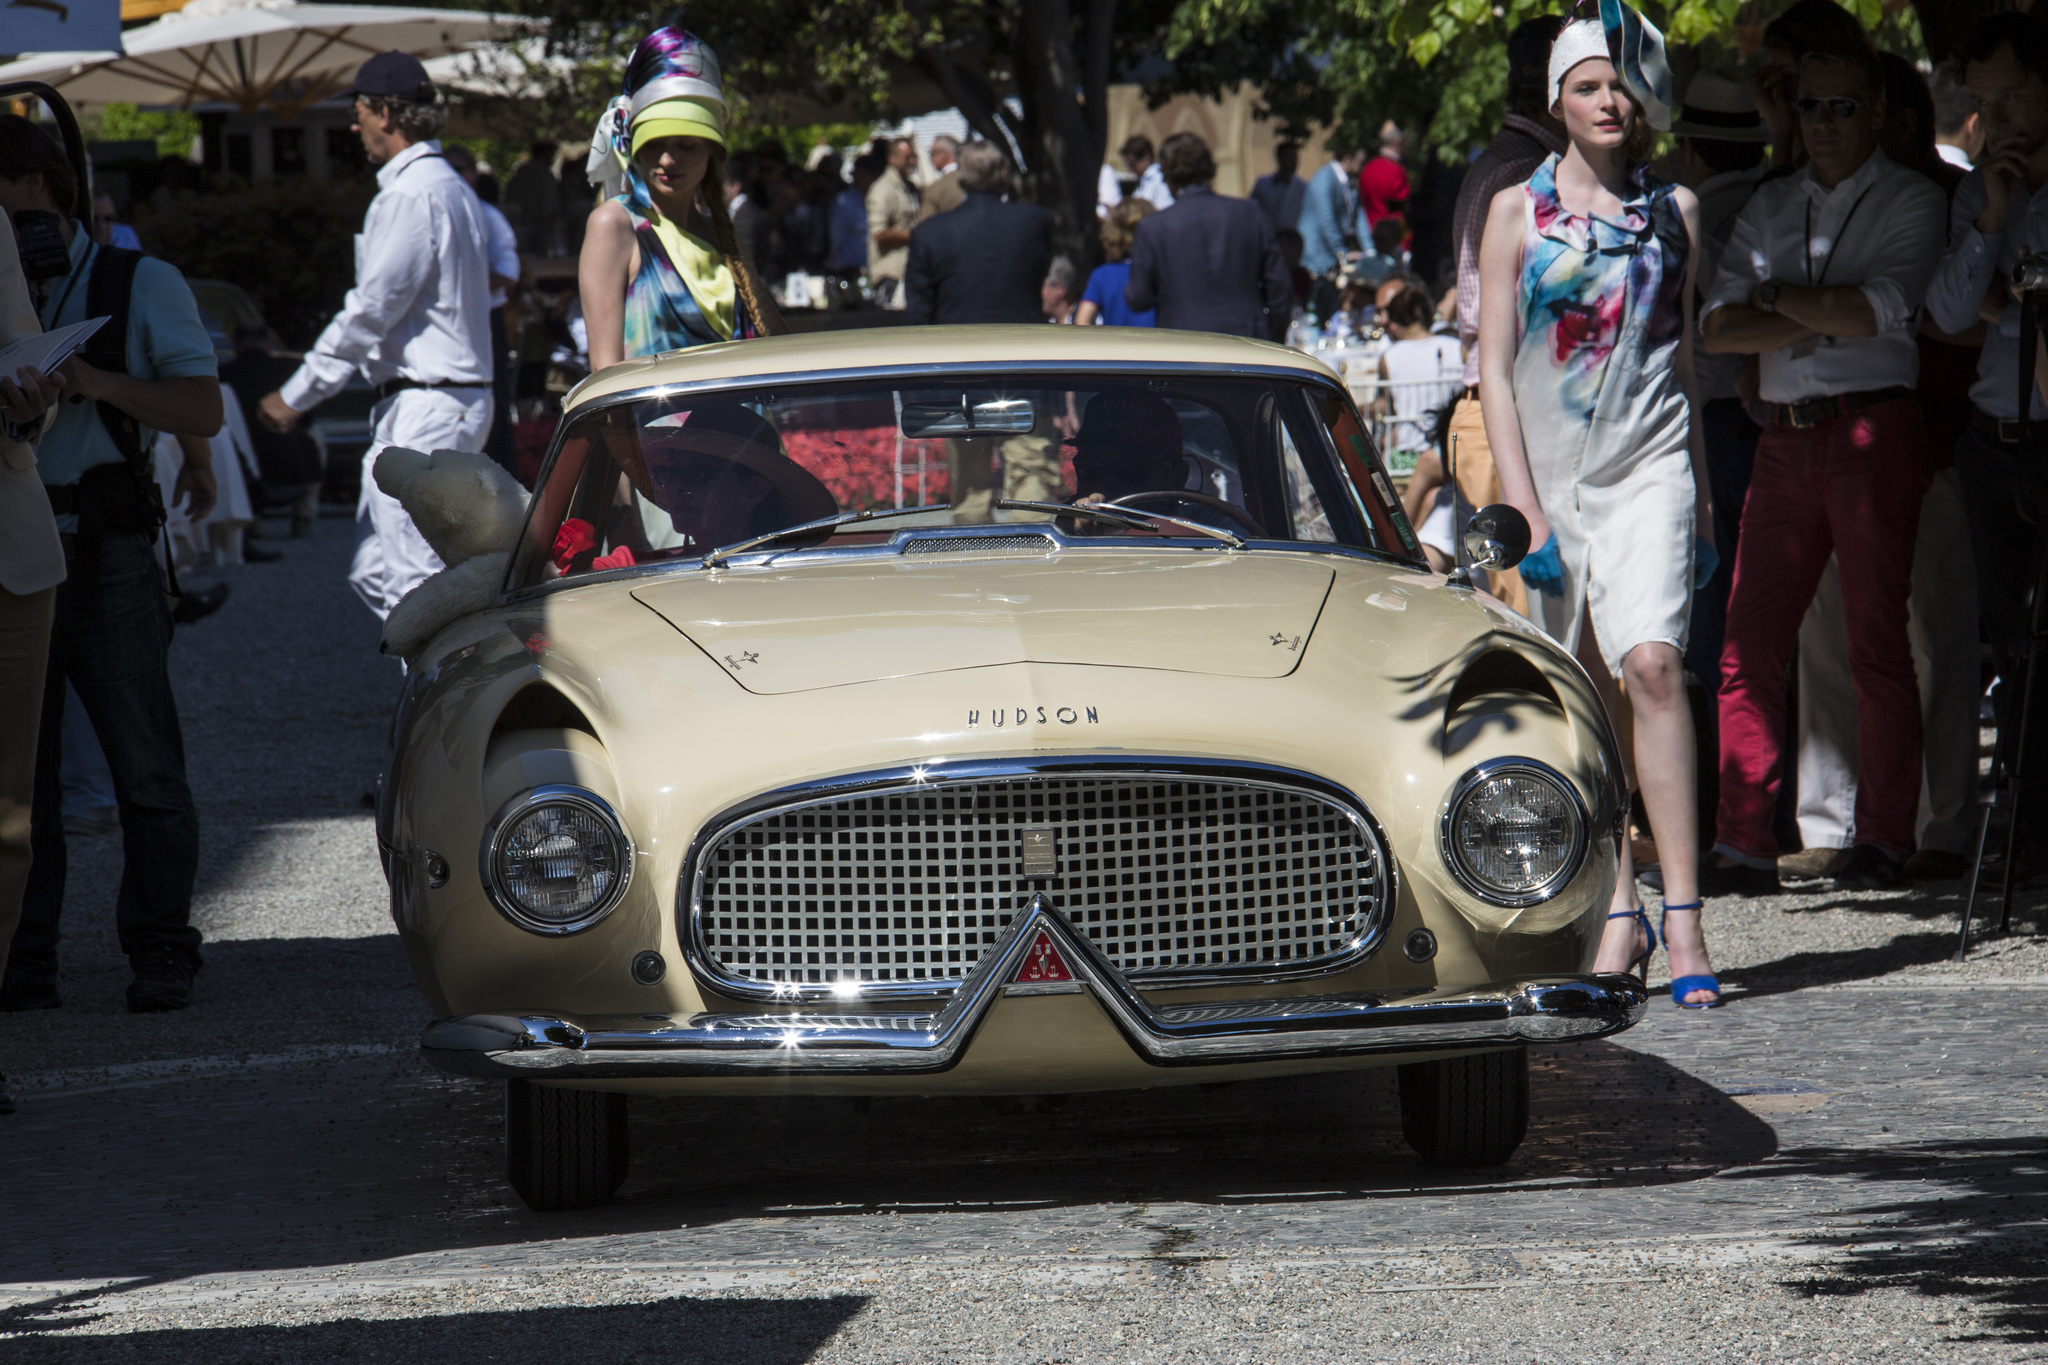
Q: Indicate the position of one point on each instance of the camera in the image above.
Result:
(2030, 273)
(39, 237)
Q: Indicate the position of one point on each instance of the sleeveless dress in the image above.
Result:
(661, 314)
(1604, 418)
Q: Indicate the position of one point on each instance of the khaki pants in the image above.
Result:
(1479, 484)
(1031, 473)
(24, 657)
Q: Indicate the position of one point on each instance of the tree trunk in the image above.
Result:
(1065, 119)
(1068, 142)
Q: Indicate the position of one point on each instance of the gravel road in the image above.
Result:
(1849, 1162)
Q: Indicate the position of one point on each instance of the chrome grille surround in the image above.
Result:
(1271, 874)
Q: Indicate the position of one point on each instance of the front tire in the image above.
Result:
(1466, 1111)
(564, 1149)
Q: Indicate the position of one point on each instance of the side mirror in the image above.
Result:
(1497, 537)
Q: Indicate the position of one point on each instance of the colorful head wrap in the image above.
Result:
(672, 89)
(1635, 47)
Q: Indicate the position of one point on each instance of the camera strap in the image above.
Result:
(2030, 476)
(2030, 331)
(109, 293)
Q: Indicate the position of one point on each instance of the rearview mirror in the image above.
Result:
(965, 414)
(1497, 537)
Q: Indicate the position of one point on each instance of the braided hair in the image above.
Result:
(760, 306)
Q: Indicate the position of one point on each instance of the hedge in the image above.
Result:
(290, 243)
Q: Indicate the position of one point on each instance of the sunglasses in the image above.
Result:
(1839, 106)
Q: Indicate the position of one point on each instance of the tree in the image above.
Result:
(1057, 56)
(1440, 66)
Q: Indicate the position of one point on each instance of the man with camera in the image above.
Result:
(1822, 278)
(418, 321)
(2000, 220)
(149, 368)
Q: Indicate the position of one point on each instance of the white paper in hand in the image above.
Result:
(47, 351)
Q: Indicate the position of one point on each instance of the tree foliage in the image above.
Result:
(289, 241)
(1437, 67)
(172, 130)
(1058, 56)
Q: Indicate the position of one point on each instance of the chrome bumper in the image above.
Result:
(812, 1041)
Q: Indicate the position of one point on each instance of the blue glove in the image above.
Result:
(1705, 560)
(1544, 570)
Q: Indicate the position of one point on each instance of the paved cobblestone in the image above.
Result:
(1850, 1161)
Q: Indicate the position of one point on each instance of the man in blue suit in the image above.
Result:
(1332, 225)
(1210, 263)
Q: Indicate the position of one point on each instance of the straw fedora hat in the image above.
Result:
(1719, 108)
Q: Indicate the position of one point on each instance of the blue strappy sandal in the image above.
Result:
(1642, 959)
(1682, 986)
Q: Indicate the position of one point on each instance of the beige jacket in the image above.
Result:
(892, 206)
(31, 556)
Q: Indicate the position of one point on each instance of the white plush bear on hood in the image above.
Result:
(470, 510)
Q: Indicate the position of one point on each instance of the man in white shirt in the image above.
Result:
(1823, 278)
(501, 249)
(2000, 214)
(417, 323)
(1958, 127)
(1137, 154)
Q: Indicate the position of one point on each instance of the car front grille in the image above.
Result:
(1171, 877)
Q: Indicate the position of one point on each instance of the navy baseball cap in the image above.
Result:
(393, 76)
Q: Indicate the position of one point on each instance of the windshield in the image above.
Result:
(674, 477)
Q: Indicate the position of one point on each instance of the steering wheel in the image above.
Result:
(1235, 513)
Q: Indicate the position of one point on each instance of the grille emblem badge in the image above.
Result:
(1041, 850)
(1043, 962)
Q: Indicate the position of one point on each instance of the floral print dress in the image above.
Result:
(661, 313)
(1604, 417)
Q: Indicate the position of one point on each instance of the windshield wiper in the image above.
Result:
(725, 552)
(1123, 516)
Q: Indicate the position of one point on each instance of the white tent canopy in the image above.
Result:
(254, 54)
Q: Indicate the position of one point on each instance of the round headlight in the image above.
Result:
(1514, 832)
(556, 860)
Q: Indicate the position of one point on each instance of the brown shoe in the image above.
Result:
(1811, 864)
(1936, 865)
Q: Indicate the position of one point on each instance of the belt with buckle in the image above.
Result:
(391, 386)
(1811, 412)
(2004, 430)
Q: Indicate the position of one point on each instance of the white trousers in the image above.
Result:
(392, 557)
(1943, 629)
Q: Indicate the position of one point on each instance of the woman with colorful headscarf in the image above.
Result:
(1585, 362)
(650, 281)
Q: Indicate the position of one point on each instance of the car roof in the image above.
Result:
(913, 348)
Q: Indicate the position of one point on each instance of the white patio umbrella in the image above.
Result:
(255, 54)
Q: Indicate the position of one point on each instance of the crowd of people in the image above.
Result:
(1766, 413)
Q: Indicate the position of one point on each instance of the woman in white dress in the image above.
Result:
(1585, 359)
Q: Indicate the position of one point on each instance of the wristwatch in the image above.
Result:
(1767, 295)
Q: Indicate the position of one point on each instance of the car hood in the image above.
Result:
(796, 628)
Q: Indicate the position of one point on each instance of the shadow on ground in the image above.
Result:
(369, 1158)
(1983, 1242)
(1937, 907)
(669, 1331)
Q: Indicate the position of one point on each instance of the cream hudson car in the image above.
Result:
(1005, 710)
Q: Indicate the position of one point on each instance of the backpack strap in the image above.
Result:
(109, 294)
